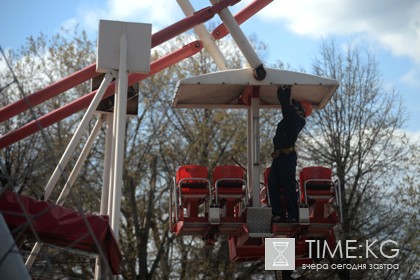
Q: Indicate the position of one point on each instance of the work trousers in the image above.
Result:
(282, 180)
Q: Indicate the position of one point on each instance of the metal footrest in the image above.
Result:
(258, 220)
(261, 235)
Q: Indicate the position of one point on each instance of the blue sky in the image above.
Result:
(293, 30)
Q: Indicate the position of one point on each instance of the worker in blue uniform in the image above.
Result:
(283, 168)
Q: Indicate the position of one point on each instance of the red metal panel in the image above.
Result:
(192, 226)
(242, 247)
(53, 224)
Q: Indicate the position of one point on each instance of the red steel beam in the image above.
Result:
(89, 72)
(48, 92)
(243, 15)
(84, 101)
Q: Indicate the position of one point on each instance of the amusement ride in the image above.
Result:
(230, 200)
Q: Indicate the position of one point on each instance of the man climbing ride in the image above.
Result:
(283, 168)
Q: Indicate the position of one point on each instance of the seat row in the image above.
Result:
(316, 190)
(226, 190)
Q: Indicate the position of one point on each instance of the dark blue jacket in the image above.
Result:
(290, 126)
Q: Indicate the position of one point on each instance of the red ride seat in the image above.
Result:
(193, 187)
(317, 190)
(315, 180)
(229, 185)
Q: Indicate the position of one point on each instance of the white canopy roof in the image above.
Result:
(223, 89)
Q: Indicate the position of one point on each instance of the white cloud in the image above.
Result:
(90, 20)
(412, 77)
(160, 13)
(394, 24)
(154, 11)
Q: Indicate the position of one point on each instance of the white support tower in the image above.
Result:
(124, 47)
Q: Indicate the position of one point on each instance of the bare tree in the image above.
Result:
(358, 133)
(27, 165)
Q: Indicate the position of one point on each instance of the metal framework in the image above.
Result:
(250, 89)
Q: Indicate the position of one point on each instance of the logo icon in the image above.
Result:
(280, 254)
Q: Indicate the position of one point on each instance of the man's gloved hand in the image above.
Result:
(283, 94)
(285, 87)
